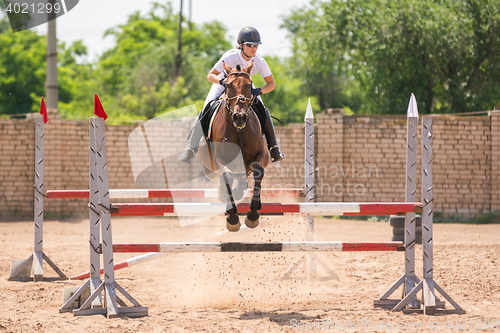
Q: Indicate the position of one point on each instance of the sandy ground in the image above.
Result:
(227, 292)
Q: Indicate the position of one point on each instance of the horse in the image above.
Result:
(236, 130)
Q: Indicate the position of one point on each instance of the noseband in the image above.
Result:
(239, 99)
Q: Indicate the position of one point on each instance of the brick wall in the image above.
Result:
(495, 160)
(17, 166)
(356, 158)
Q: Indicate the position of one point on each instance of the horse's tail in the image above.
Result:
(203, 177)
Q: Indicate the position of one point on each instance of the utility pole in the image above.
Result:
(178, 61)
(51, 89)
(190, 14)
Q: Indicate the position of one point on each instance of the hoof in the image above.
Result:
(252, 224)
(233, 222)
(233, 227)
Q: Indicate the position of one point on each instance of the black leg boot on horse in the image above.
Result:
(252, 218)
(275, 151)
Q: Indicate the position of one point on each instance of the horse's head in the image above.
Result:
(239, 94)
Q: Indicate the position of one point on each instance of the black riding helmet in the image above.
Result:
(249, 35)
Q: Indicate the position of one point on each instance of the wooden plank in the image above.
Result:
(38, 205)
(391, 303)
(310, 190)
(429, 300)
(93, 296)
(428, 297)
(126, 294)
(257, 247)
(458, 309)
(410, 196)
(18, 267)
(66, 307)
(395, 246)
(393, 288)
(131, 312)
(409, 299)
(94, 219)
(251, 247)
(54, 267)
(37, 266)
(311, 208)
(105, 216)
(170, 193)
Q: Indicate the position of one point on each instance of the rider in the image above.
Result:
(248, 42)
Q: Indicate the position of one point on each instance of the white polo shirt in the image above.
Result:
(232, 58)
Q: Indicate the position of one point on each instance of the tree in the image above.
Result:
(446, 52)
(287, 101)
(323, 73)
(140, 70)
(22, 70)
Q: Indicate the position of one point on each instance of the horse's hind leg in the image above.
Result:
(232, 219)
(252, 218)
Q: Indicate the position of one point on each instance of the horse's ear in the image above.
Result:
(249, 68)
(226, 67)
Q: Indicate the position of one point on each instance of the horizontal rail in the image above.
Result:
(171, 193)
(304, 208)
(259, 247)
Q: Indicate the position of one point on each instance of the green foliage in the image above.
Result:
(446, 52)
(287, 101)
(140, 70)
(135, 80)
(22, 70)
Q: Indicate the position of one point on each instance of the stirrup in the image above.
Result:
(187, 154)
(276, 153)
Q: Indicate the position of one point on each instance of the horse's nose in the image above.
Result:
(244, 118)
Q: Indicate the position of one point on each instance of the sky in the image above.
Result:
(91, 18)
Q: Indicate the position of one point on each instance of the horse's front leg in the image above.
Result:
(226, 195)
(252, 218)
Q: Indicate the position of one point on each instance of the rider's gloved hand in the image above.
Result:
(222, 82)
(256, 92)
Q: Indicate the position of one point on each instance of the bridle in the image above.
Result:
(239, 99)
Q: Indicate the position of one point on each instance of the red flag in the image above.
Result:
(98, 109)
(43, 111)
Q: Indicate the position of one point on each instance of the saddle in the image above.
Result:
(207, 115)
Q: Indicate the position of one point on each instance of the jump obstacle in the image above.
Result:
(202, 209)
(172, 193)
(21, 269)
(103, 211)
(408, 303)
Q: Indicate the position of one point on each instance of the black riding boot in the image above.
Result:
(194, 142)
(275, 151)
(197, 132)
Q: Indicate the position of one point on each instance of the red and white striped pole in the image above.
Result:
(154, 255)
(259, 247)
(170, 193)
(302, 208)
